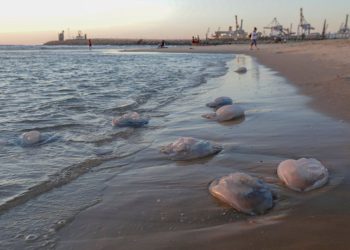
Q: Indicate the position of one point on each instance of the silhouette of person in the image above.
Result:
(90, 44)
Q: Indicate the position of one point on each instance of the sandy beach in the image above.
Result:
(319, 69)
(296, 97)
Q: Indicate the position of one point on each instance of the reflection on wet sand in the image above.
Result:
(160, 204)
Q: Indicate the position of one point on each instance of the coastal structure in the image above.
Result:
(80, 36)
(61, 36)
(237, 33)
(324, 29)
(304, 27)
(277, 30)
(344, 28)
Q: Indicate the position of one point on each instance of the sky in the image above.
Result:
(38, 21)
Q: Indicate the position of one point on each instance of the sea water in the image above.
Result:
(91, 181)
(70, 95)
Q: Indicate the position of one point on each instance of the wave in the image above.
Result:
(63, 177)
(73, 94)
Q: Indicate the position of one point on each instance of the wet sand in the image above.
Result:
(155, 203)
(320, 69)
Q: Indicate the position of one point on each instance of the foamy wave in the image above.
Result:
(64, 177)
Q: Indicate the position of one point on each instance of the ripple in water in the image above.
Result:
(70, 95)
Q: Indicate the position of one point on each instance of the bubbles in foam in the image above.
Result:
(31, 237)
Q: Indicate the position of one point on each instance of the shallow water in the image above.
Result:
(70, 95)
(159, 204)
(136, 197)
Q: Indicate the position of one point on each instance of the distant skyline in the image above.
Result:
(38, 21)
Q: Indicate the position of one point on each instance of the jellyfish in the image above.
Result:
(187, 148)
(241, 70)
(303, 175)
(219, 102)
(226, 113)
(132, 119)
(243, 192)
(31, 137)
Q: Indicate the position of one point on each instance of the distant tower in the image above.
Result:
(61, 36)
(344, 28)
(324, 29)
(276, 28)
(304, 27)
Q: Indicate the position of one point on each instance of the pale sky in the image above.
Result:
(38, 21)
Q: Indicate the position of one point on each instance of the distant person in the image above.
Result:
(162, 44)
(253, 38)
(90, 44)
(195, 40)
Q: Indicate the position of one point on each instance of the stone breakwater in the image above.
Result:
(109, 41)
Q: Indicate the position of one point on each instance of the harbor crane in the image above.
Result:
(207, 34)
(276, 29)
(234, 32)
(236, 19)
(344, 28)
(304, 27)
(324, 29)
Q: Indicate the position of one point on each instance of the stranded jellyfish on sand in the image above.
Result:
(243, 192)
(132, 119)
(303, 174)
(187, 148)
(241, 70)
(31, 137)
(219, 102)
(226, 113)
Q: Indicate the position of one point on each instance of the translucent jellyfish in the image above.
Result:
(241, 70)
(31, 137)
(219, 102)
(226, 113)
(132, 119)
(303, 174)
(243, 192)
(187, 148)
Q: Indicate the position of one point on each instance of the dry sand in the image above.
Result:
(320, 69)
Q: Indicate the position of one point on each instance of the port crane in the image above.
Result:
(324, 29)
(344, 28)
(276, 29)
(207, 34)
(304, 26)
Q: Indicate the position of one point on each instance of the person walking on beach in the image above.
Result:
(162, 44)
(253, 38)
(90, 44)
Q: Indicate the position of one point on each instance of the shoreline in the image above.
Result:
(319, 69)
(161, 204)
(139, 199)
